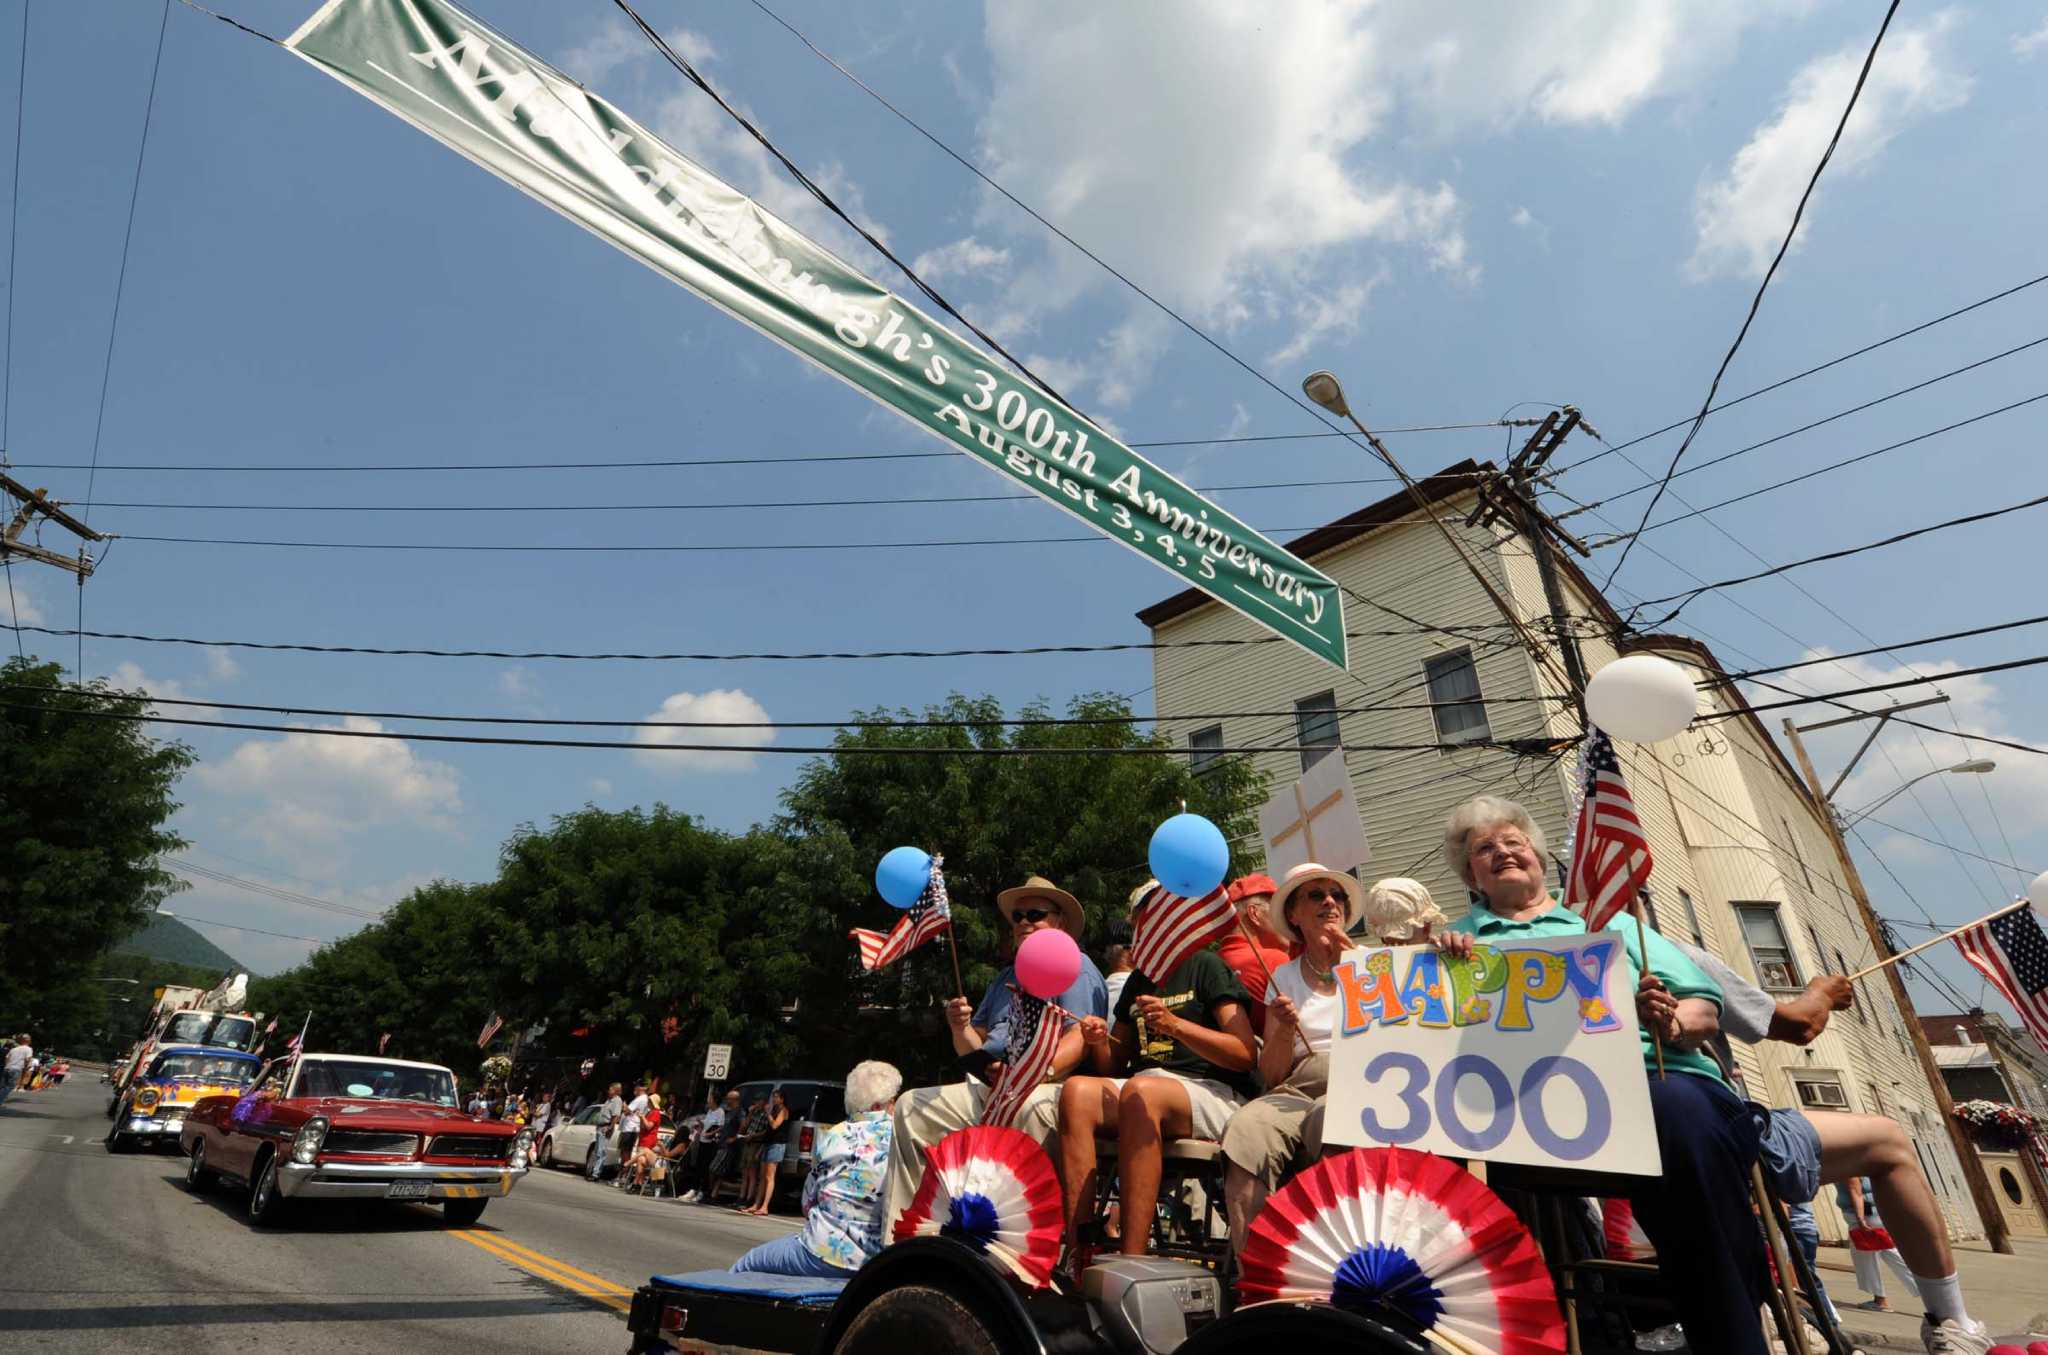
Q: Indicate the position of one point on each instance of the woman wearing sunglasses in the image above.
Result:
(1281, 1132)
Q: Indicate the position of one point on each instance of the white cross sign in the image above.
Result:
(1315, 819)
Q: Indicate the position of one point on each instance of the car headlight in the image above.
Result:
(307, 1145)
(522, 1145)
(145, 1100)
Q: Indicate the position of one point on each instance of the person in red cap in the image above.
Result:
(1254, 960)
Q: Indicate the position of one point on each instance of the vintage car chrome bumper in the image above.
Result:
(144, 1126)
(374, 1180)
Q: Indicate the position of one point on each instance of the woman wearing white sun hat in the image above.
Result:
(1281, 1132)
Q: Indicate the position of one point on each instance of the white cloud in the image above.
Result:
(2024, 45)
(221, 666)
(25, 613)
(311, 790)
(600, 787)
(617, 44)
(1522, 217)
(1742, 214)
(729, 706)
(962, 258)
(129, 677)
(1320, 317)
(517, 684)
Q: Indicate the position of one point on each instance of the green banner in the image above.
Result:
(455, 79)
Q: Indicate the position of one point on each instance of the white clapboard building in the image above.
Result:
(1744, 865)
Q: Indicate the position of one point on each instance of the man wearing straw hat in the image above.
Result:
(981, 1037)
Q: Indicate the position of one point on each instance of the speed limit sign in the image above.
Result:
(717, 1062)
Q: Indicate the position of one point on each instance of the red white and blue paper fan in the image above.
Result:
(1394, 1229)
(994, 1189)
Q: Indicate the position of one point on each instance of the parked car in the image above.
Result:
(571, 1143)
(814, 1104)
(151, 1111)
(353, 1127)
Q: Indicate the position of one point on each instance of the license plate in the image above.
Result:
(409, 1190)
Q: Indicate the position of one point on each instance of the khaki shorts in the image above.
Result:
(1211, 1104)
(1280, 1133)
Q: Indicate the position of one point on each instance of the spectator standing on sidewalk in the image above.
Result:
(19, 1056)
(607, 1120)
(704, 1148)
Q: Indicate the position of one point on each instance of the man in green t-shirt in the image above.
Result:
(1188, 1049)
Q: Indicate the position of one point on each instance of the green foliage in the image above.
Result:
(82, 814)
(621, 923)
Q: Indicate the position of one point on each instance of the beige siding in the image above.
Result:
(1727, 821)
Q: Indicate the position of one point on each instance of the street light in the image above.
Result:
(1327, 391)
(1974, 767)
(104, 979)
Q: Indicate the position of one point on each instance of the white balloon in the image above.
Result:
(2037, 892)
(1642, 697)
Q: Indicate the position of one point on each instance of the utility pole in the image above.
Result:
(38, 503)
(1995, 1231)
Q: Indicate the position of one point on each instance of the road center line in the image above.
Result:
(607, 1295)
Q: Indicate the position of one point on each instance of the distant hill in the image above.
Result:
(169, 940)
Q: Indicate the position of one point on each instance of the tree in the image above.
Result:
(1081, 820)
(83, 806)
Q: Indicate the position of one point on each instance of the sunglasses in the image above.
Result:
(1316, 894)
(1029, 915)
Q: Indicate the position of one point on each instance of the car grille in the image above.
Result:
(368, 1141)
(470, 1145)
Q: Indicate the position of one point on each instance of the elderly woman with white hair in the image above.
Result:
(843, 1194)
(1697, 1212)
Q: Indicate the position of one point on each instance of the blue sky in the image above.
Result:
(1463, 213)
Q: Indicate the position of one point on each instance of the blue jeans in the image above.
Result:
(788, 1256)
(1710, 1247)
(1807, 1233)
(597, 1159)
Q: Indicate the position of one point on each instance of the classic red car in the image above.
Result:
(352, 1127)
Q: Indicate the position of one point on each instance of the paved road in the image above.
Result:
(101, 1252)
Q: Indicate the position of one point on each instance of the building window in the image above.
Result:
(1797, 855)
(1820, 1091)
(1842, 968)
(1692, 919)
(1202, 746)
(1454, 691)
(1315, 727)
(1769, 950)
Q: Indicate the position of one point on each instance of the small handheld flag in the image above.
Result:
(1610, 853)
(2012, 951)
(491, 1028)
(1170, 928)
(923, 920)
(1035, 1028)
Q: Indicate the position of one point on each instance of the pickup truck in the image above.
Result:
(352, 1127)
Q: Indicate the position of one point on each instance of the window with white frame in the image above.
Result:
(1819, 1091)
(1770, 950)
(1455, 698)
(1315, 727)
(1202, 746)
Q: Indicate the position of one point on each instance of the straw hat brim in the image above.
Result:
(1038, 887)
(1354, 900)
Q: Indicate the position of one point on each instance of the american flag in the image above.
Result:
(2012, 952)
(1034, 1038)
(1170, 928)
(930, 915)
(383, 1040)
(1610, 854)
(271, 1029)
(491, 1027)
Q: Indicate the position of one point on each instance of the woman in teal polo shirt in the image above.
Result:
(1697, 1213)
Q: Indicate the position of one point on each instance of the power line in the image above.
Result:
(1757, 301)
(238, 927)
(1747, 673)
(785, 749)
(1809, 698)
(672, 462)
(2026, 871)
(266, 890)
(1685, 598)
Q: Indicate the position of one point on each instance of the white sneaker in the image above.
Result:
(1950, 1337)
(691, 1197)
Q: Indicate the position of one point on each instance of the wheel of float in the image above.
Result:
(266, 1203)
(916, 1317)
(462, 1213)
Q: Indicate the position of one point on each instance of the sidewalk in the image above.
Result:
(2008, 1294)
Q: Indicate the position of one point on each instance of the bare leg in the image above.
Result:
(1086, 1104)
(768, 1170)
(1873, 1146)
(1150, 1110)
(1244, 1195)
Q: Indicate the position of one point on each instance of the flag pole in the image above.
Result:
(952, 946)
(302, 1033)
(1643, 948)
(1260, 956)
(1945, 936)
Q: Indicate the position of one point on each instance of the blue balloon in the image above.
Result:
(902, 876)
(1189, 855)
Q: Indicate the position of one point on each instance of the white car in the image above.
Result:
(571, 1143)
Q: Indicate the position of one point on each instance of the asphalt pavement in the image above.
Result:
(103, 1251)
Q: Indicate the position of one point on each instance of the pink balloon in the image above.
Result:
(2004, 1349)
(1048, 962)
